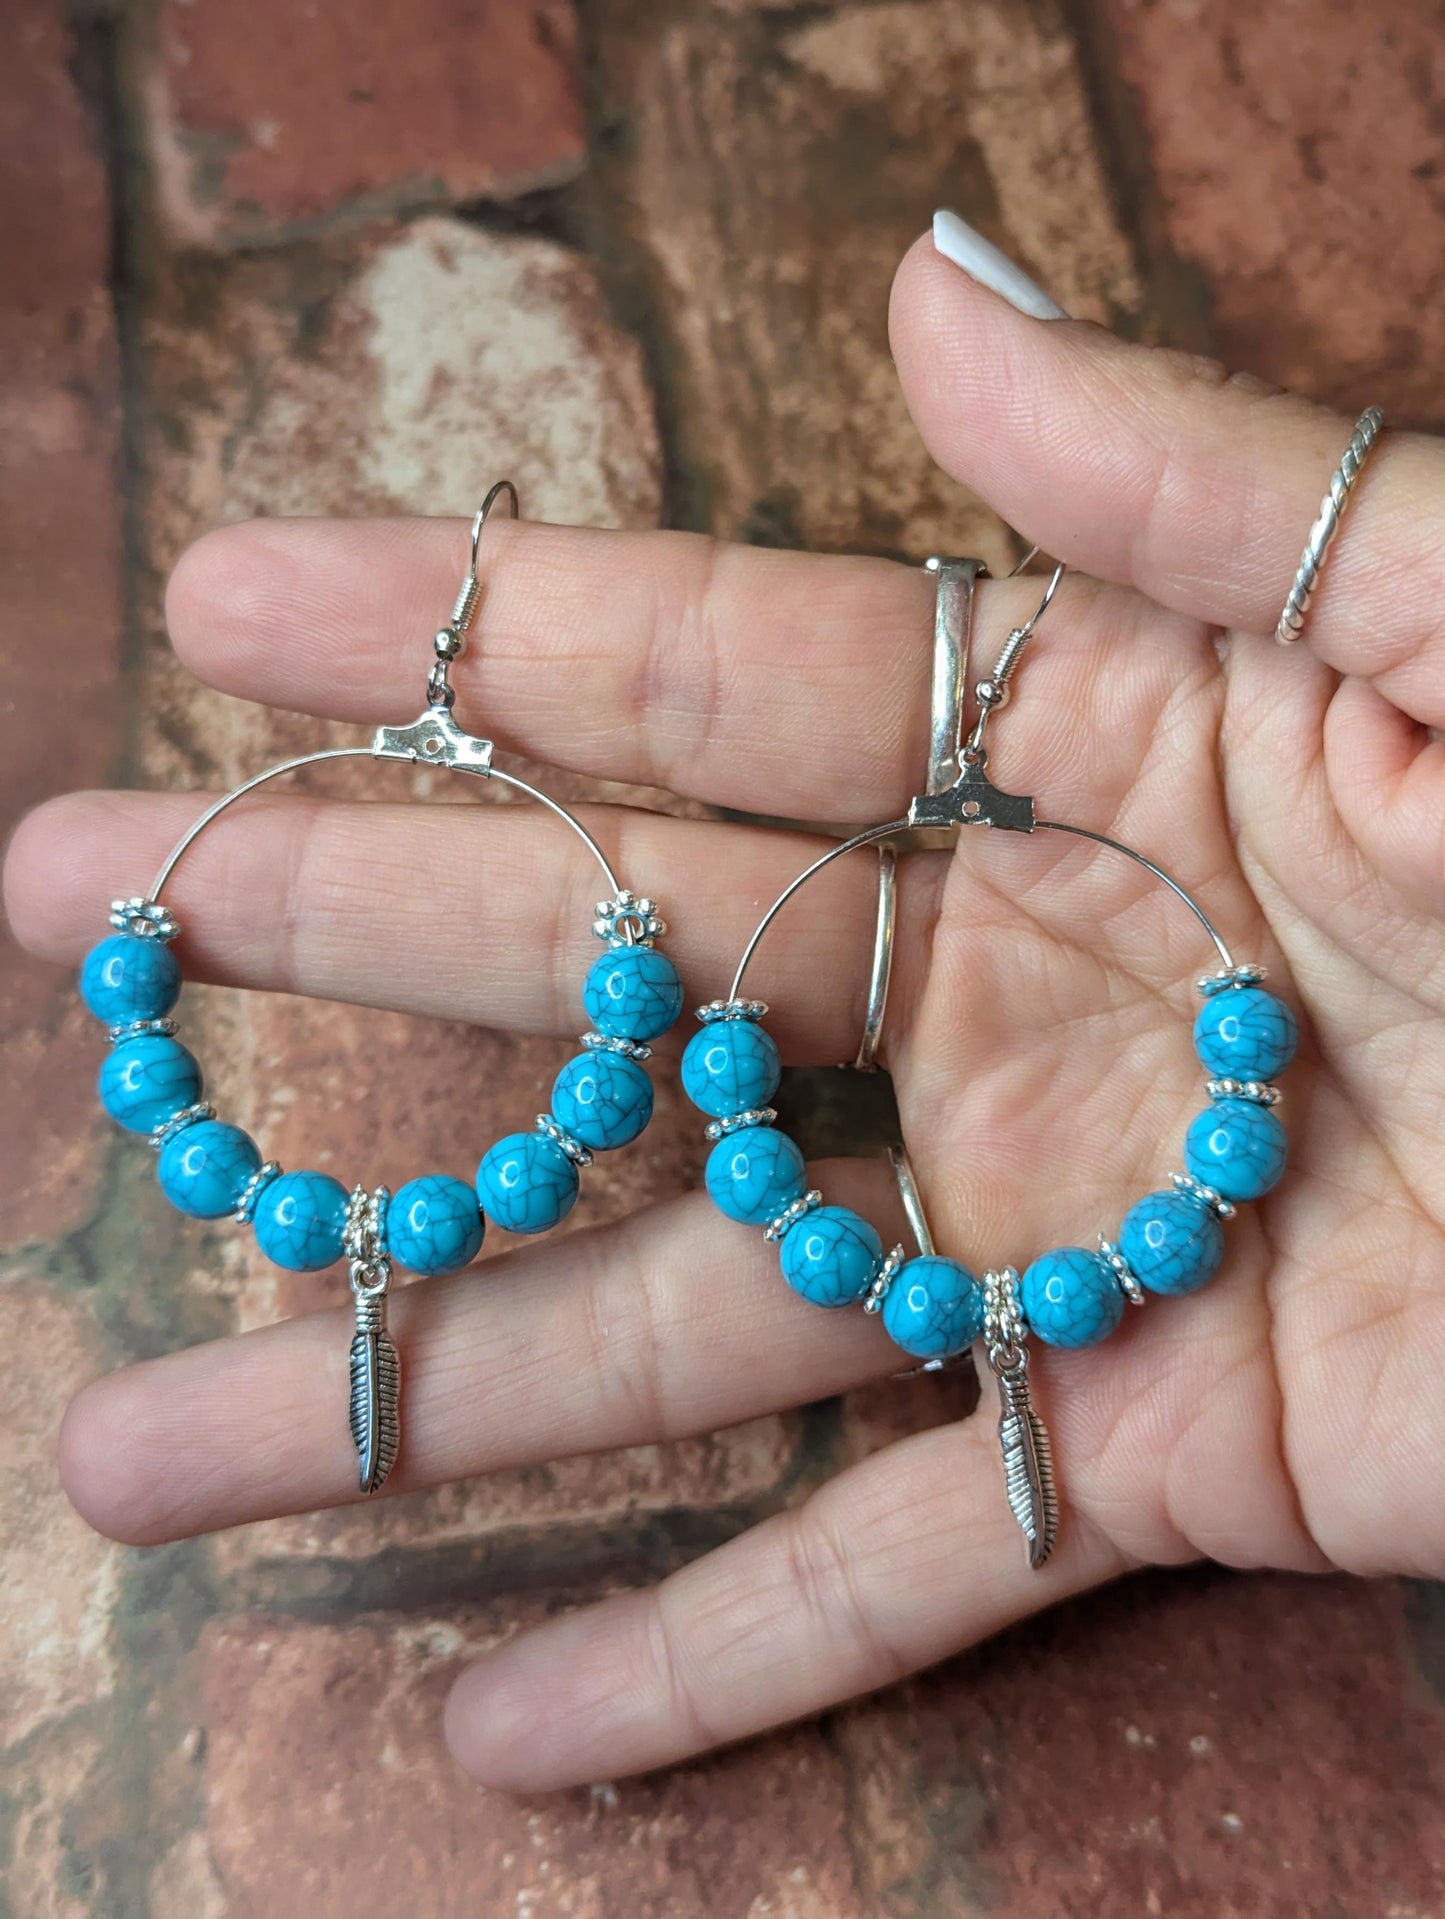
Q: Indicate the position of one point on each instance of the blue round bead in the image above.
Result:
(434, 1225)
(1172, 1243)
(632, 992)
(602, 1099)
(300, 1221)
(830, 1256)
(146, 1081)
(526, 1183)
(731, 1066)
(934, 1308)
(204, 1169)
(1245, 1033)
(129, 978)
(755, 1174)
(1071, 1298)
(1237, 1147)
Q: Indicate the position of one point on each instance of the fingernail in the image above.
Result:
(981, 260)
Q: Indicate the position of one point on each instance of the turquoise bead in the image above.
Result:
(632, 992)
(830, 1256)
(146, 1081)
(934, 1308)
(1172, 1243)
(1071, 1298)
(300, 1221)
(128, 978)
(433, 1225)
(204, 1169)
(731, 1066)
(1245, 1033)
(1237, 1147)
(755, 1174)
(602, 1099)
(526, 1183)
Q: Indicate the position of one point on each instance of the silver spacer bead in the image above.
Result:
(147, 919)
(1128, 1285)
(1196, 1189)
(878, 1291)
(607, 1043)
(734, 1123)
(140, 1029)
(579, 1154)
(1228, 976)
(1004, 1330)
(717, 1009)
(178, 1122)
(364, 1241)
(1258, 1090)
(628, 920)
(245, 1210)
(790, 1216)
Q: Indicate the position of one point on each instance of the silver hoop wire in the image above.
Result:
(193, 832)
(894, 829)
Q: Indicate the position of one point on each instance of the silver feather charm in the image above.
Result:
(1028, 1465)
(375, 1367)
(375, 1393)
(1028, 1460)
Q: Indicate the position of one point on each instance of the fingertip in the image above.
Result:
(495, 1731)
(222, 593)
(55, 881)
(100, 1455)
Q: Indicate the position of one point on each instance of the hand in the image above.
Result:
(1289, 1415)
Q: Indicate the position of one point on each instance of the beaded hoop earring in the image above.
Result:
(934, 1308)
(305, 1221)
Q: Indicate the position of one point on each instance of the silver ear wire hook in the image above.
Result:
(993, 692)
(450, 640)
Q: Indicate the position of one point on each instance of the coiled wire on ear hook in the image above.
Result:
(449, 641)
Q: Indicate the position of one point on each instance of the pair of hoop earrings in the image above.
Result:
(933, 1307)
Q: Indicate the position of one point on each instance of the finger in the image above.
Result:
(382, 905)
(901, 1560)
(1153, 469)
(727, 673)
(644, 657)
(658, 1327)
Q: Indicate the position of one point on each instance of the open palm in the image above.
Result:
(1038, 1033)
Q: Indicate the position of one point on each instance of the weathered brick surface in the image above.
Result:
(780, 167)
(59, 577)
(352, 1710)
(266, 122)
(60, 1578)
(1297, 160)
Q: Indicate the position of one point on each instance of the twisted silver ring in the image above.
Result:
(1327, 525)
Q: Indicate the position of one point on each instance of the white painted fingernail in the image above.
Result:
(981, 260)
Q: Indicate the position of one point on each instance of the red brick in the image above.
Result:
(1297, 155)
(266, 123)
(60, 1578)
(59, 580)
(386, 1824)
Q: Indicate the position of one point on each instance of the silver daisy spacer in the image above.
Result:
(790, 1215)
(579, 1154)
(734, 1123)
(1123, 1272)
(1228, 976)
(178, 1122)
(252, 1191)
(717, 1009)
(628, 920)
(146, 919)
(878, 1291)
(1258, 1090)
(1196, 1189)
